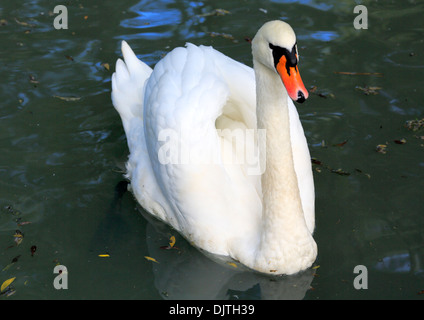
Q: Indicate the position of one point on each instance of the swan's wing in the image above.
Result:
(188, 90)
(128, 86)
(128, 89)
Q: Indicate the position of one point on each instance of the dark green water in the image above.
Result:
(60, 159)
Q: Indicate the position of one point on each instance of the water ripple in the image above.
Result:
(310, 3)
(152, 16)
(321, 35)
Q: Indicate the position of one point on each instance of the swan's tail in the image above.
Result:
(128, 86)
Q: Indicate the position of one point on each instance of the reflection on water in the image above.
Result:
(312, 3)
(319, 35)
(403, 58)
(186, 273)
(150, 16)
(60, 159)
(396, 262)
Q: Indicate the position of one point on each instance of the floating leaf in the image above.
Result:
(316, 161)
(9, 292)
(232, 264)
(32, 79)
(105, 255)
(151, 259)
(7, 283)
(216, 12)
(359, 73)
(381, 148)
(364, 173)
(340, 172)
(106, 66)
(313, 90)
(10, 209)
(401, 141)
(221, 12)
(171, 244)
(369, 90)
(24, 223)
(25, 24)
(7, 267)
(18, 237)
(68, 98)
(414, 125)
(14, 260)
(223, 35)
(171, 241)
(341, 144)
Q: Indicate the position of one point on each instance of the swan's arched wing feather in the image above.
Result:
(128, 90)
(128, 85)
(185, 94)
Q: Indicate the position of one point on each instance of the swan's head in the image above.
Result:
(275, 47)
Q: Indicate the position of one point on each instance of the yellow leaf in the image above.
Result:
(25, 24)
(171, 241)
(7, 283)
(104, 255)
(18, 237)
(232, 264)
(151, 259)
(381, 148)
(106, 66)
(8, 266)
(315, 267)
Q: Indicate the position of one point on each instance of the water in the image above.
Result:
(63, 149)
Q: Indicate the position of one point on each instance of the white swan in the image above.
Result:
(204, 183)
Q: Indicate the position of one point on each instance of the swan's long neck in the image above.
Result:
(283, 222)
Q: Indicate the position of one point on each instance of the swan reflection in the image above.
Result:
(184, 272)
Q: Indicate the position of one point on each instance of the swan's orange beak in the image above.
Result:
(292, 80)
